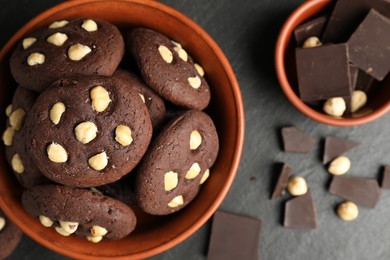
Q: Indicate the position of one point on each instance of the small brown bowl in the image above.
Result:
(152, 234)
(378, 100)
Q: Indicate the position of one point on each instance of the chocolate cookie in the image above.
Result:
(168, 69)
(89, 131)
(152, 100)
(14, 138)
(10, 236)
(66, 48)
(177, 162)
(79, 211)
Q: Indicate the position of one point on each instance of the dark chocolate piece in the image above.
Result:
(300, 212)
(335, 146)
(369, 45)
(323, 72)
(347, 15)
(234, 237)
(353, 72)
(281, 184)
(311, 28)
(364, 81)
(386, 177)
(296, 141)
(364, 192)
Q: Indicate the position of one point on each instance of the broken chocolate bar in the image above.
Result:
(311, 28)
(335, 146)
(281, 184)
(323, 72)
(364, 81)
(347, 15)
(234, 237)
(364, 192)
(369, 45)
(296, 141)
(300, 212)
(386, 177)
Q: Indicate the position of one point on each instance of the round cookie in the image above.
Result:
(10, 236)
(168, 69)
(14, 139)
(152, 100)
(177, 162)
(66, 48)
(79, 211)
(89, 131)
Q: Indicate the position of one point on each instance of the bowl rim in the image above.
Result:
(283, 40)
(238, 144)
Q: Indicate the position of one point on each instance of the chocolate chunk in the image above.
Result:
(234, 237)
(386, 177)
(364, 192)
(301, 212)
(296, 141)
(281, 184)
(364, 81)
(311, 28)
(369, 45)
(335, 146)
(353, 72)
(323, 72)
(347, 15)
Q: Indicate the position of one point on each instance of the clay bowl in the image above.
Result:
(378, 99)
(153, 234)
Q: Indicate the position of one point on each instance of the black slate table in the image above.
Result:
(246, 30)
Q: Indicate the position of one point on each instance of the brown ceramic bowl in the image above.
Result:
(153, 234)
(378, 100)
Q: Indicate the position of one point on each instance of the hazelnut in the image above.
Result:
(99, 161)
(311, 42)
(348, 211)
(340, 165)
(2, 223)
(195, 140)
(57, 39)
(69, 227)
(35, 58)
(194, 82)
(56, 112)
(85, 132)
(165, 53)
(100, 98)
(335, 106)
(57, 153)
(176, 201)
(16, 119)
(17, 164)
(89, 25)
(199, 69)
(297, 186)
(61, 232)
(205, 176)
(142, 97)
(193, 172)
(78, 51)
(58, 24)
(8, 110)
(98, 231)
(182, 53)
(45, 221)
(94, 239)
(123, 135)
(176, 44)
(8, 136)
(27, 42)
(171, 180)
(358, 100)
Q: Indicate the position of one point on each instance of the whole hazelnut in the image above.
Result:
(335, 106)
(297, 186)
(348, 211)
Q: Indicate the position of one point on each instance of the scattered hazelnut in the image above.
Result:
(311, 42)
(171, 180)
(165, 53)
(78, 51)
(123, 135)
(85, 132)
(35, 58)
(8, 110)
(57, 39)
(193, 172)
(8, 136)
(194, 82)
(176, 201)
(335, 106)
(16, 119)
(45, 221)
(348, 211)
(98, 231)
(69, 227)
(17, 164)
(182, 53)
(27, 42)
(195, 140)
(56, 112)
(2, 223)
(94, 239)
(199, 69)
(99, 161)
(297, 186)
(205, 176)
(340, 165)
(100, 98)
(89, 25)
(358, 100)
(61, 232)
(57, 153)
(58, 24)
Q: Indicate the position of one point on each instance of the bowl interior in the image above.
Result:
(378, 98)
(153, 234)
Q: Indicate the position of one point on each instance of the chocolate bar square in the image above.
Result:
(311, 28)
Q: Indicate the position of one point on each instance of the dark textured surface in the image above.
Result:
(246, 31)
